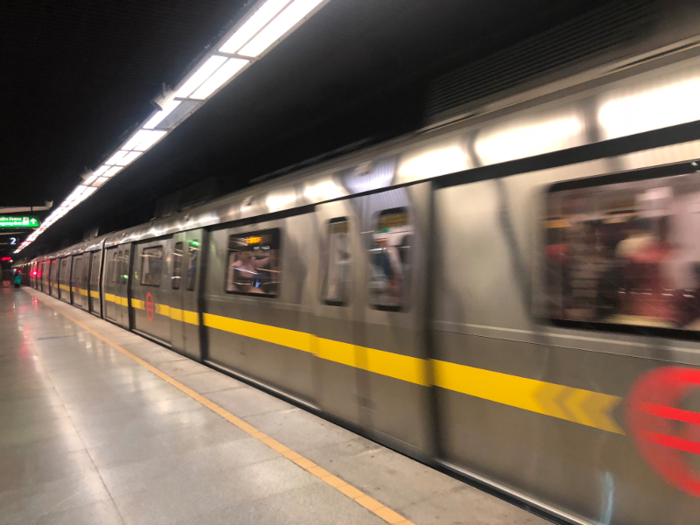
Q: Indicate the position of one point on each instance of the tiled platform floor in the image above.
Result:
(90, 436)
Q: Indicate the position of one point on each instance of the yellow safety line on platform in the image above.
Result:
(348, 490)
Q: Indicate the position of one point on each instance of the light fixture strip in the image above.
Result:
(259, 31)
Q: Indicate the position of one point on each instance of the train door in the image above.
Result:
(184, 291)
(76, 273)
(151, 292)
(45, 277)
(53, 278)
(64, 279)
(338, 310)
(94, 287)
(111, 284)
(395, 393)
(116, 284)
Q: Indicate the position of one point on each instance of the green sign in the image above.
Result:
(18, 221)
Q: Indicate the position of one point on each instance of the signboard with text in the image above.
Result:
(19, 221)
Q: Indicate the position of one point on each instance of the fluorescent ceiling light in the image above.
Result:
(122, 158)
(144, 139)
(156, 119)
(254, 24)
(272, 20)
(92, 178)
(220, 77)
(116, 158)
(113, 171)
(276, 29)
(100, 171)
(199, 76)
(130, 157)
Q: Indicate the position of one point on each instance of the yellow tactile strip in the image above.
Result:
(348, 490)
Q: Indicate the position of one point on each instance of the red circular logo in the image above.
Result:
(665, 433)
(150, 307)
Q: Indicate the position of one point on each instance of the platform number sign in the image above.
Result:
(13, 241)
(150, 307)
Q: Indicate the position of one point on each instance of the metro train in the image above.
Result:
(514, 296)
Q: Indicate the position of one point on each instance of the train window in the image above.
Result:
(77, 270)
(53, 269)
(192, 265)
(177, 266)
(253, 263)
(115, 266)
(389, 260)
(624, 253)
(95, 270)
(64, 271)
(125, 267)
(151, 265)
(337, 282)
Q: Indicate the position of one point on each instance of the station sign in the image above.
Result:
(19, 221)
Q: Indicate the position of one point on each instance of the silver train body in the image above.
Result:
(411, 292)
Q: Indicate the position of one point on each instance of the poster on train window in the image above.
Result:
(390, 261)
(626, 253)
(253, 264)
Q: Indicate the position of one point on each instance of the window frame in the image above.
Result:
(176, 275)
(143, 259)
(192, 279)
(405, 303)
(324, 290)
(115, 265)
(277, 233)
(600, 181)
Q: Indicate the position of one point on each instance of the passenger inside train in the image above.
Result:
(390, 261)
(626, 254)
(252, 264)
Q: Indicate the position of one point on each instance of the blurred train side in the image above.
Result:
(424, 377)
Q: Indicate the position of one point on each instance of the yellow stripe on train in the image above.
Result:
(580, 406)
(576, 405)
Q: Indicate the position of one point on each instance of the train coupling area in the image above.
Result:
(101, 426)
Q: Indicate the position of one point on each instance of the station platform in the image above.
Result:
(101, 426)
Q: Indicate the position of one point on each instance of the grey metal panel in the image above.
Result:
(53, 278)
(79, 284)
(95, 280)
(487, 271)
(175, 292)
(110, 284)
(156, 324)
(279, 366)
(338, 388)
(196, 241)
(115, 284)
(398, 409)
(64, 272)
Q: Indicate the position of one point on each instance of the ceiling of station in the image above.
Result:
(78, 75)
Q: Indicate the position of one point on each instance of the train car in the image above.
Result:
(514, 296)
